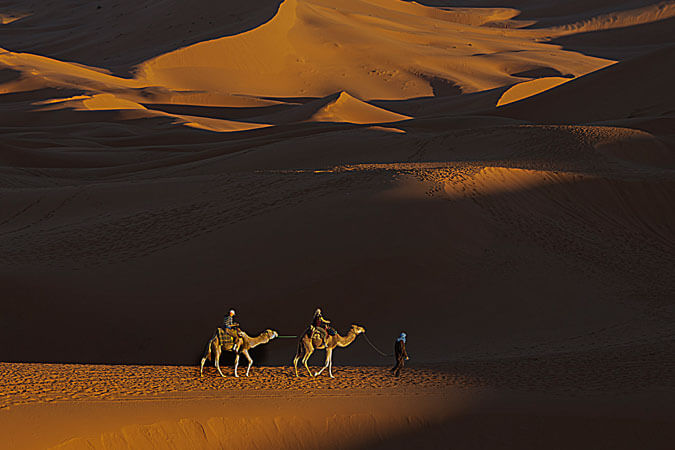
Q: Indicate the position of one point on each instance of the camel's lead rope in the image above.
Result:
(376, 349)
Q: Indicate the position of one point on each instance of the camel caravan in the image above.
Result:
(318, 336)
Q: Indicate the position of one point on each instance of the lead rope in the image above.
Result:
(376, 349)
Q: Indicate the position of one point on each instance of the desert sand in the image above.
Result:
(495, 178)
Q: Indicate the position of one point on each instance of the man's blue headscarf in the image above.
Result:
(402, 337)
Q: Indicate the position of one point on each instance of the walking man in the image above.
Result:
(400, 354)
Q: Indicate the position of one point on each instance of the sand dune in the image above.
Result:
(161, 407)
(621, 43)
(349, 109)
(311, 36)
(496, 179)
(529, 88)
(339, 107)
(622, 18)
(461, 56)
(120, 35)
(634, 88)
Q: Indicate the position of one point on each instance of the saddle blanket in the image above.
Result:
(226, 341)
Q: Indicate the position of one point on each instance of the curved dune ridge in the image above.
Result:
(529, 88)
(361, 48)
(349, 109)
(640, 87)
(6, 19)
(319, 50)
(497, 181)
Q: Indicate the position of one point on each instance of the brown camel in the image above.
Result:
(307, 345)
(247, 343)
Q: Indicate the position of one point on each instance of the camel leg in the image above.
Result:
(330, 365)
(207, 355)
(299, 354)
(217, 358)
(295, 364)
(304, 362)
(250, 361)
(218, 351)
(236, 364)
(325, 366)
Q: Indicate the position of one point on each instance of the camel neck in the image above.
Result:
(255, 341)
(344, 341)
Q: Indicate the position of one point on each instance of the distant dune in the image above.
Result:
(637, 88)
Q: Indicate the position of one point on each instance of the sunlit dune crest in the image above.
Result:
(109, 101)
(349, 109)
(529, 88)
(219, 125)
(362, 48)
(6, 19)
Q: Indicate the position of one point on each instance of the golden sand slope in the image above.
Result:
(346, 108)
(529, 88)
(310, 48)
(363, 48)
(68, 406)
(112, 407)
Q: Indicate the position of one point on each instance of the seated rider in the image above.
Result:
(232, 329)
(320, 325)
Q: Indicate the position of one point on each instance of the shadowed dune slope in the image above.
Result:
(622, 43)
(119, 35)
(641, 87)
(145, 246)
(568, 12)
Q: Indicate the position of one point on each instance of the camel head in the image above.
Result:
(271, 334)
(358, 329)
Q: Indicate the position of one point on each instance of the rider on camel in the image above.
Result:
(232, 329)
(320, 325)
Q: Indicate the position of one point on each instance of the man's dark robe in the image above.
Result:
(400, 354)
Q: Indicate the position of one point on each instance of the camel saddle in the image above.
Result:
(314, 332)
(226, 341)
